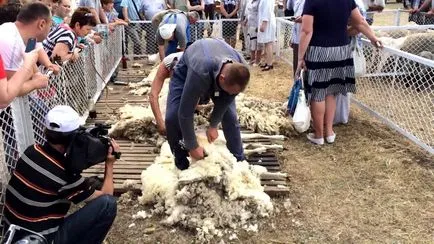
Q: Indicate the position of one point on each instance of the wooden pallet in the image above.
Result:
(133, 74)
(136, 157)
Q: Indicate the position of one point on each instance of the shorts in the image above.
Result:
(252, 35)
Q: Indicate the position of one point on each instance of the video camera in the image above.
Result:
(19, 235)
(88, 147)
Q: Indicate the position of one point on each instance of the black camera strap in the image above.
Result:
(137, 10)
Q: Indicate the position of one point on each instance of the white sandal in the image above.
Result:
(318, 141)
(331, 139)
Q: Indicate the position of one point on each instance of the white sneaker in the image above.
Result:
(331, 139)
(318, 141)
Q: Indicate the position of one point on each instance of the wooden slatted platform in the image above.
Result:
(136, 157)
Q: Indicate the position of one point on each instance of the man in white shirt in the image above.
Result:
(151, 8)
(33, 21)
(96, 9)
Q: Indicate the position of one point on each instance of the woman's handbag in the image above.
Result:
(293, 96)
(359, 59)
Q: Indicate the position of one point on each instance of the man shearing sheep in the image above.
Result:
(208, 67)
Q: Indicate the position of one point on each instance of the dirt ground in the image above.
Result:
(272, 85)
(372, 185)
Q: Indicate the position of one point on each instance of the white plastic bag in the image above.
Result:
(359, 61)
(301, 118)
(342, 109)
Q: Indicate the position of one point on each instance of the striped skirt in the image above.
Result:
(330, 71)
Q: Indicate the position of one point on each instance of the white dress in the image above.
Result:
(266, 13)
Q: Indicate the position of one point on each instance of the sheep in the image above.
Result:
(214, 195)
(418, 76)
(409, 73)
(383, 60)
(419, 42)
(392, 33)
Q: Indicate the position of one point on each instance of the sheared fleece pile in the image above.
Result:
(258, 115)
(143, 87)
(215, 197)
(263, 116)
(135, 123)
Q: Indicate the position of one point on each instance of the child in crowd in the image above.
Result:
(111, 13)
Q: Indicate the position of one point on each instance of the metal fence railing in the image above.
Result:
(399, 85)
(22, 122)
(398, 17)
(284, 34)
(414, 39)
(140, 35)
(399, 89)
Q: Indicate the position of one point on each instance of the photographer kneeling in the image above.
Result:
(46, 181)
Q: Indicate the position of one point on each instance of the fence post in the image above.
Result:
(221, 27)
(278, 31)
(98, 67)
(398, 17)
(22, 123)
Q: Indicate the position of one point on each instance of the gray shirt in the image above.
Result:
(203, 61)
(180, 31)
(152, 7)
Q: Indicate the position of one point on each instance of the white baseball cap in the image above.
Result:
(62, 118)
(166, 31)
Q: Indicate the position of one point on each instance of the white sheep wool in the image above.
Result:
(135, 123)
(216, 196)
(143, 87)
(263, 116)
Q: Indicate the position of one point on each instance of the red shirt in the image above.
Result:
(2, 69)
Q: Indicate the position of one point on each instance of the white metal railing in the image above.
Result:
(400, 93)
(22, 123)
(399, 90)
(399, 85)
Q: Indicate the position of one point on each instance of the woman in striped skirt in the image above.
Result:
(326, 54)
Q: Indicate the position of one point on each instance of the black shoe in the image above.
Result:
(267, 67)
(182, 164)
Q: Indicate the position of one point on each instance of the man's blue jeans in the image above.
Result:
(89, 224)
(172, 47)
(230, 124)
